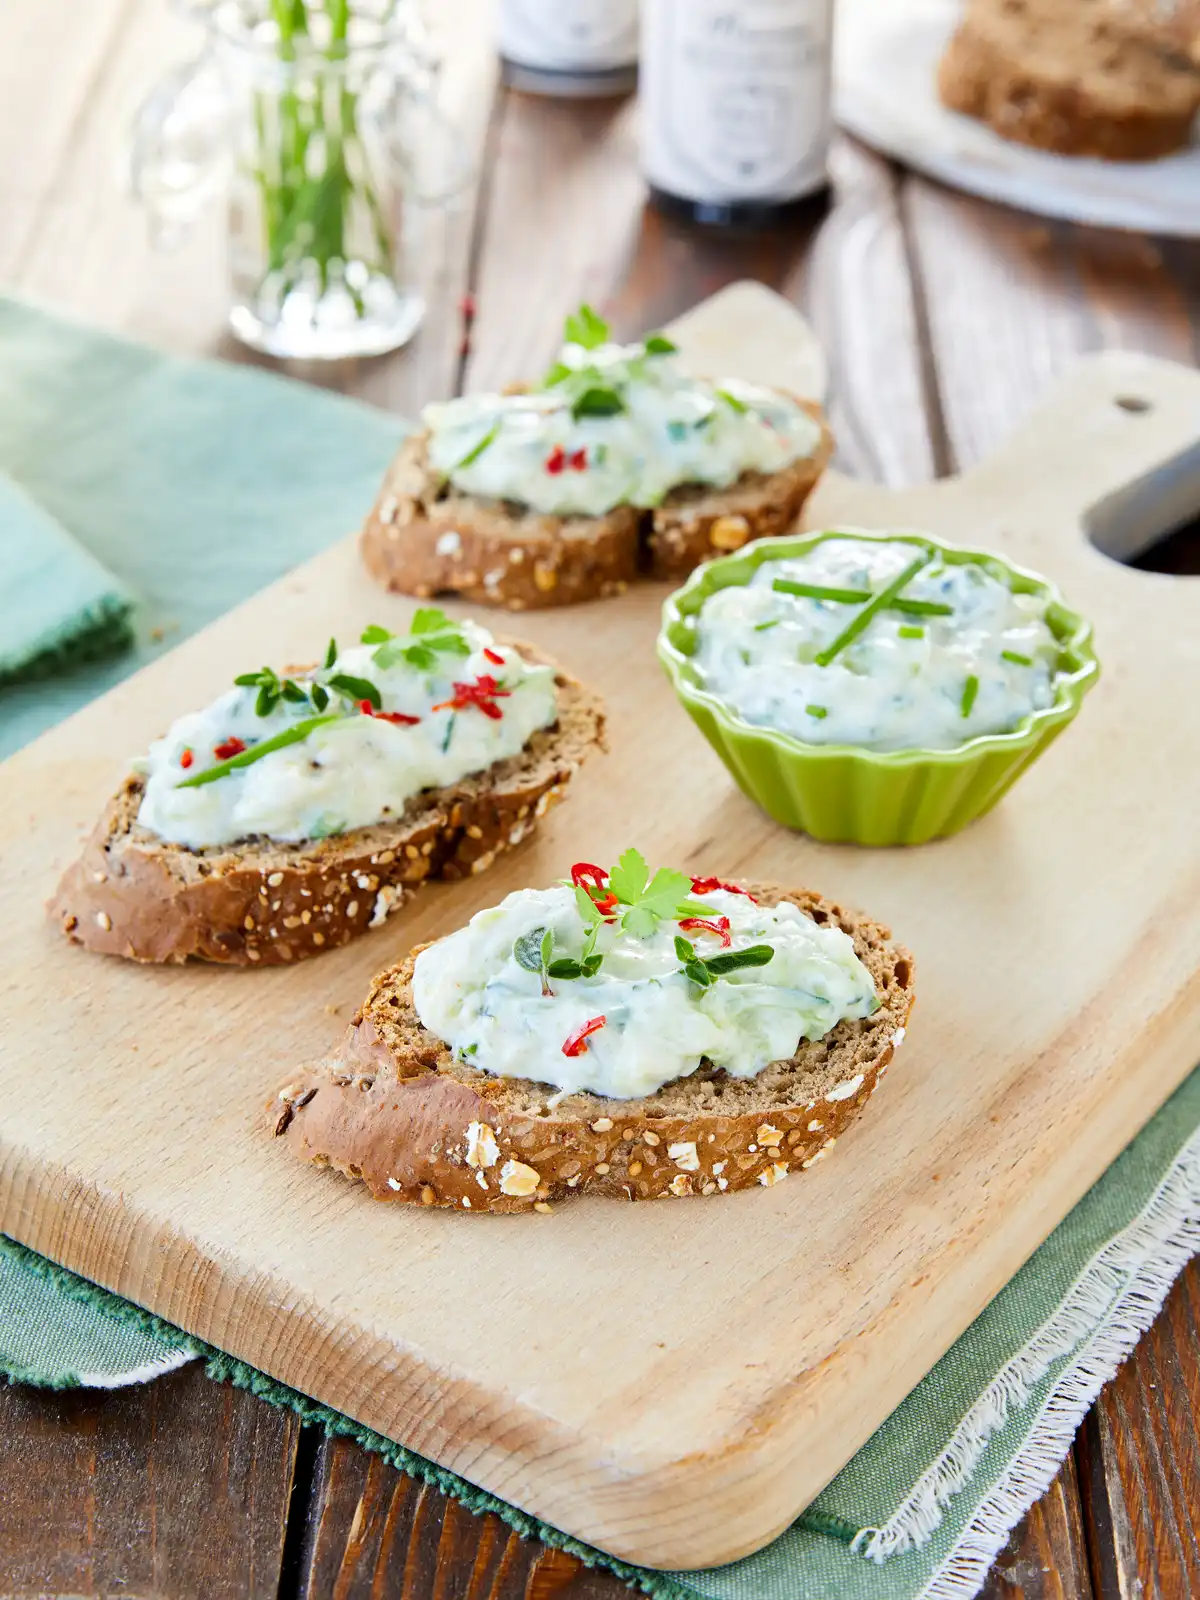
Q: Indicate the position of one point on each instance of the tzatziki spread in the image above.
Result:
(618, 984)
(879, 644)
(613, 425)
(347, 745)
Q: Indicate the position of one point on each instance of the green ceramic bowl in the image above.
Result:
(843, 793)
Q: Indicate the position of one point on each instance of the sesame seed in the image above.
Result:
(427, 1196)
(602, 1125)
(601, 1168)
(634, 1168)
(540, 1205)
(275, 879)
(651, 1138)
(104, 921)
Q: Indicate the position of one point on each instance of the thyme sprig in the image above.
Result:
(704, 971)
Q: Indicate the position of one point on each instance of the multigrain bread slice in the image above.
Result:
(424, 538)
(1072, 76)
(264, 903)
(392, 1107)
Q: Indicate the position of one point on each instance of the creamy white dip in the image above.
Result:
(546, 450)
(354, 770)
(470, 990)
(956, 654)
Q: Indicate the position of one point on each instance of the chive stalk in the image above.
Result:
(293, 735)
(877, 603)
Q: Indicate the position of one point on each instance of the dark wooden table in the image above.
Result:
(944, 318)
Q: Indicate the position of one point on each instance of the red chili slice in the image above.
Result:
(707, 885)
(718, 926)
(230, 748)
(556, 461)
(400, 718)
(494, 655)
(482, 694)
(579, 461)
(577, 1043)
(186, 759)
(582, 871)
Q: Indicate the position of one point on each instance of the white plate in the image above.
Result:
(887, 54)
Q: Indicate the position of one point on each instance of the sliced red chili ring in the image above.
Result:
(227, 750)
(707, 885)
(576, 1043)
(556, 460)
(186, 759)
(494, 655)
(718, 925)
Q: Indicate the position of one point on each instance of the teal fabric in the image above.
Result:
(59, 608)
(1101, 1274)
(182, 485)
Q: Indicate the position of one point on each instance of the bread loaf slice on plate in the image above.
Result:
(265, 903)
(394, 1109)
(1081, 79)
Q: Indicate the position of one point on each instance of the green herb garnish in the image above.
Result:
(598, 400)
(732, 401)
(432, 632)
(877, 603)
(586, 328)
(1016, 659)
(664, 898)
(922, 608)
(293, 735)
(819, 591)
(970, 690)
(817, 711)
(476, 450)
(331, 651)
(659, 345)
(356, 688)
(704, 972)
(761, 627)
(907, 631)
(532, 951)
(271, 690)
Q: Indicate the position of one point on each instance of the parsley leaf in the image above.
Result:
(599, 400)
(659, 345)
(664, 898)
(586, 328)
(432, 631)
(371, 634)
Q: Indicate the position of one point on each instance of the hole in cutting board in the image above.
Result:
(1152, 524)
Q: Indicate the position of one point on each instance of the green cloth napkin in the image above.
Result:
(925, 1504)
(59, 608)
(184, 485)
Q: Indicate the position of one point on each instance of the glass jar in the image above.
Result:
(575, 49)
(317, 120)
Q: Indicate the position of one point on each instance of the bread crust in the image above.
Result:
(261, 903)
(392, 1108)
(418, 541)
(1077, 84)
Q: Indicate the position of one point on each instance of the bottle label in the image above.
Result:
(736, 97)
(570, 35)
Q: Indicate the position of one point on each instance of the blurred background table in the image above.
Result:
(944, 319)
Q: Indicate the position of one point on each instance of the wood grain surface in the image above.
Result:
(944, 317)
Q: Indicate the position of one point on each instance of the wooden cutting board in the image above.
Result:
(672, 1382)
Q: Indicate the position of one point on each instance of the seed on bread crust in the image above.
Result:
(705, 1134)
